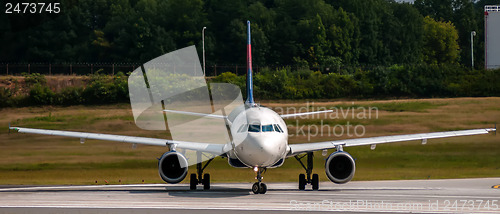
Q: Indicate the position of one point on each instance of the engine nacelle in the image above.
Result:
(340, 167)
(173, 167)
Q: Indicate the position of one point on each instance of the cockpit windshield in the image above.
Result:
(267, 128)
(254, 128)
(260, 128)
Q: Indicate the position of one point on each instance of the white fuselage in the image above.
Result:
(260, 137)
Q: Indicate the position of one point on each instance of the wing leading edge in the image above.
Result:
(284, 116)
(309, 147)
(196, 146)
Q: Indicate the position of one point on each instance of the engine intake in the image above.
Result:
(173, 167)
(340, 167)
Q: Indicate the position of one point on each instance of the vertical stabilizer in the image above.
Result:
(249, 100)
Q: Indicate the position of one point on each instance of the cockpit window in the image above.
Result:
(278, 128)
(259, 128)
(254, 128)
(267, 128)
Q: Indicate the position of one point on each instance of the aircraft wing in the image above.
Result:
(284, 116)
(197, 114)
(309, 147)
(196, 146)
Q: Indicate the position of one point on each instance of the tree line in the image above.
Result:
(380, 82)
(303, 33)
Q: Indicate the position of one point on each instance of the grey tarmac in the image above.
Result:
(402, 196)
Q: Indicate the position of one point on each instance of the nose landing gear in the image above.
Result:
(259, 187)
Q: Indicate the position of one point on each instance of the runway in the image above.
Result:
(417, 196)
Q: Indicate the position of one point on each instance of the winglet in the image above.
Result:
(492, 129)
(13, 128)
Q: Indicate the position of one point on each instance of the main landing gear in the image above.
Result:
(196, 179)
(314, 181)
(259, 187)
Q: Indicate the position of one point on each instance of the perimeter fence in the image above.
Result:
(18, 69)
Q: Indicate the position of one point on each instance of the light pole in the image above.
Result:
(203, 41)
(472, 34)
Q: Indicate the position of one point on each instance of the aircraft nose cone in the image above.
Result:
(260, 143)
(260, 151)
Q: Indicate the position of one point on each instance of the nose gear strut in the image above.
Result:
(259, 187)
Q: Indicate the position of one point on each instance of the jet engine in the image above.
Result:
(340, 167)
(173, 167)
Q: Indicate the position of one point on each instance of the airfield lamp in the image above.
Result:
(472, 34)
(203, 41)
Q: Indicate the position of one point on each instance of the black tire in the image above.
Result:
(263, 188)
(256, 188)
(206, 181)
(315, 182)
(193, 182)
(302, 182)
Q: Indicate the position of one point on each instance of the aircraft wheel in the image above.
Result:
(263, 188)
(302, 182)
(206, 181)
(193, 182)
(256, 188)
(315, 182)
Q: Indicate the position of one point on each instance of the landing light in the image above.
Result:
(256, 169)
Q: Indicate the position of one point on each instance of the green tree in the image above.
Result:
(440, 42)
(263, 25)
(466, 20)
(222, 13)
(404, 38)
(441, 10)
(293, 34)
(119, 31)
(344, 35)
(464, 16)
(185, 19)
(372, 16)
(314, 39)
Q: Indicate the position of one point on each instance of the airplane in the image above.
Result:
(263, 138)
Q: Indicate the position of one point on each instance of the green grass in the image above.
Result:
(393, 106)
(49, 118)
(127, 164)
(407, 106)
